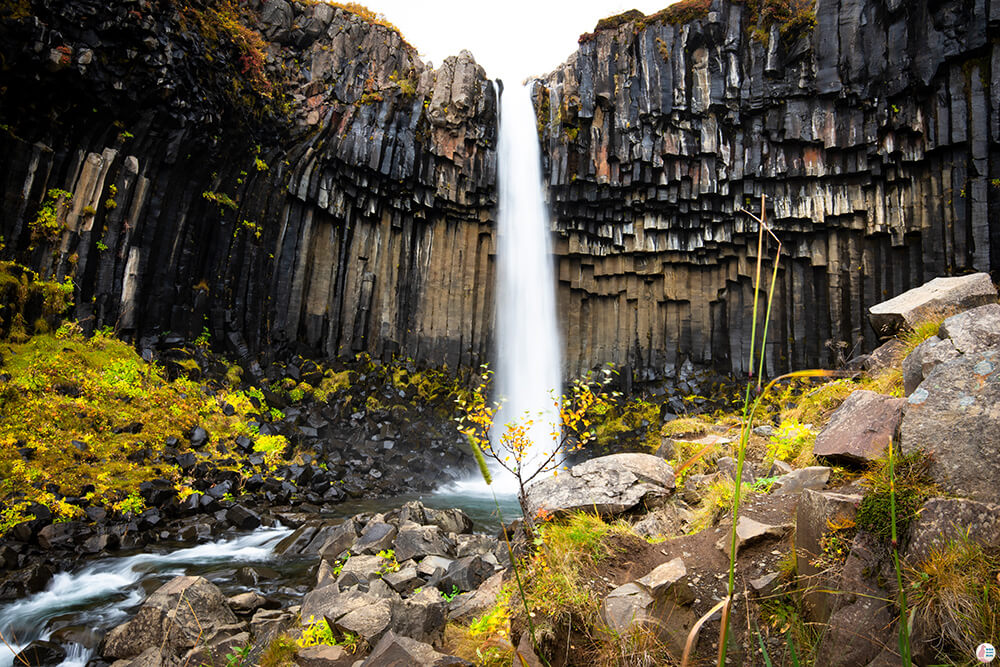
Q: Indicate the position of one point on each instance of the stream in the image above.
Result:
(78, 607)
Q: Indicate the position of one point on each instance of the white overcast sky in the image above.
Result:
(511, 39)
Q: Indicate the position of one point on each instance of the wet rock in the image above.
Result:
(242, 518)
(249, 602)
(861, 428)
(340, 539)
(163, 621)
(952, 415)
(61, 535)
(931, 299)
(608, 485)
(40, 653)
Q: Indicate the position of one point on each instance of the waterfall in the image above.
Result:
(529, 377)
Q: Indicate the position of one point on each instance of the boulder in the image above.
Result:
(632, 605)
(955, 416)
(930, 300)
(861, 624)
(750, 531)
(861, 428)
(449, 520)
(886, 355)
(814, 514)
(466, 574)
(606, 485)
(405, 580)
(394, 650)
(727, 466)
(376, 536)
(419, 541)
(266, 624)
(924, 358)
(323, 656)
(942, 520)
(668, 579)
(175, 616)
(795, 482)
(468, 606)
(975, 330)
(41, 653)
(331, 603)
(243, 518)
(249, 602)
(368, 621)
(421, 617)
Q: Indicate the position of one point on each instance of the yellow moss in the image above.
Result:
(95, 391)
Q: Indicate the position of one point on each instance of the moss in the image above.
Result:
(26, 297)
(15, 9)
(543, 111)
(678, 13)
(912, 486)
(794, 18)
(75, 408)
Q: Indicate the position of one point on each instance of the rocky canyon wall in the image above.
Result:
(875, 137)
(284, 175)
(292, 177)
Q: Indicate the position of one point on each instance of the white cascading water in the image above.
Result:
(110, 589)
(529, 376)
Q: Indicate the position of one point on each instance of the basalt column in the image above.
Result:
(875, 136)
(285, 175)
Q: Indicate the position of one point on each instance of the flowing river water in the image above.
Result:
(80, 605)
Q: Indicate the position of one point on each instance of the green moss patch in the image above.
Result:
(88, 418)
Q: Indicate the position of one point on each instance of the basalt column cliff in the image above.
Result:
(871, 126)
(291, 176)
(286, 175)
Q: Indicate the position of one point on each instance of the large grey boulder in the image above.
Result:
(955, 415)
(931, 300)
(924, 358)
(176, 616)
(975, 330)
(606, 485)
(942, 520)
(861, 428)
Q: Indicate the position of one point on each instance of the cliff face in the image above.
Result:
(290, 176)
(875, 137)
(305, 182)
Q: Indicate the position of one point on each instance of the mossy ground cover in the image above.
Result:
(88, 418)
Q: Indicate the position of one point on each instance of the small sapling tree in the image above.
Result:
(513, 450)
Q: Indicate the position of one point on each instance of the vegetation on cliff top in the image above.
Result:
(793, 17)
